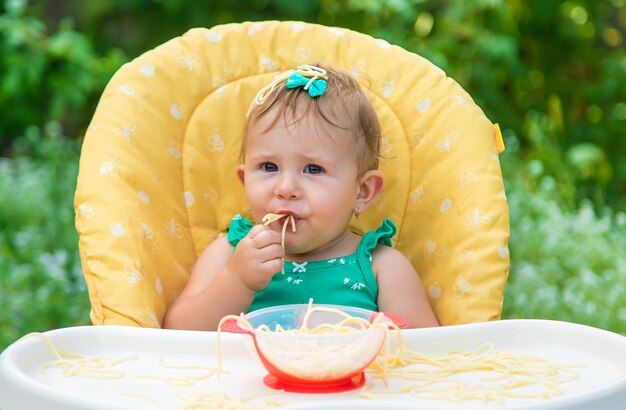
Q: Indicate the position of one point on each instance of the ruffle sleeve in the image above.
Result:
(368, 243)
(382, 235)
(238, 229)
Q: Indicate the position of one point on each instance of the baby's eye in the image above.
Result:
(269, 167)
(313, 169)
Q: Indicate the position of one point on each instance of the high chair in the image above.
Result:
(157, 176)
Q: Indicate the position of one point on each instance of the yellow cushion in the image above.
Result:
(157, 181)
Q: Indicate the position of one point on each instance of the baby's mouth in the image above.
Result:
(283, 218)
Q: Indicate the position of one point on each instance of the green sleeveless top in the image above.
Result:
(347, 280)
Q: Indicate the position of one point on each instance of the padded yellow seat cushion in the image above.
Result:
(157, 176)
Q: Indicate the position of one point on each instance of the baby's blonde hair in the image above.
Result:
(344, 104)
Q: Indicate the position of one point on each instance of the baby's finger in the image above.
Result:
(257, 229)
(272, 266)
(272, 251)
(266, 238)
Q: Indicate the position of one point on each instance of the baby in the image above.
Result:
(309, 164)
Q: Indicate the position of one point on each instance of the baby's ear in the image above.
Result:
(371, 185)
(241, 173)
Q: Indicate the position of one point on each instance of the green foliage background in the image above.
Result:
(552, 73)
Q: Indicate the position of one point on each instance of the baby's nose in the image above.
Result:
(287, 187)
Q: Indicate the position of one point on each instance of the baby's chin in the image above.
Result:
(299, 253)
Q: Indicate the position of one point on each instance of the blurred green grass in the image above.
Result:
(41, 284)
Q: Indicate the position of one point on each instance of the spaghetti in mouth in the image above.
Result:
(271, 217)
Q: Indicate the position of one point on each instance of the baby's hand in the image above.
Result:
(257, 257)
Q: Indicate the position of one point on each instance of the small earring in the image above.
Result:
(357, 214)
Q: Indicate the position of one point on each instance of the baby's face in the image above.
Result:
(308, 170)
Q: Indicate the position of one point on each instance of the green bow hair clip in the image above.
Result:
(315, 86)
(312, 78)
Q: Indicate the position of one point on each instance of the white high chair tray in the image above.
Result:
(602, 381)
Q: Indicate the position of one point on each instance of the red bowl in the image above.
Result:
(310, 362)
